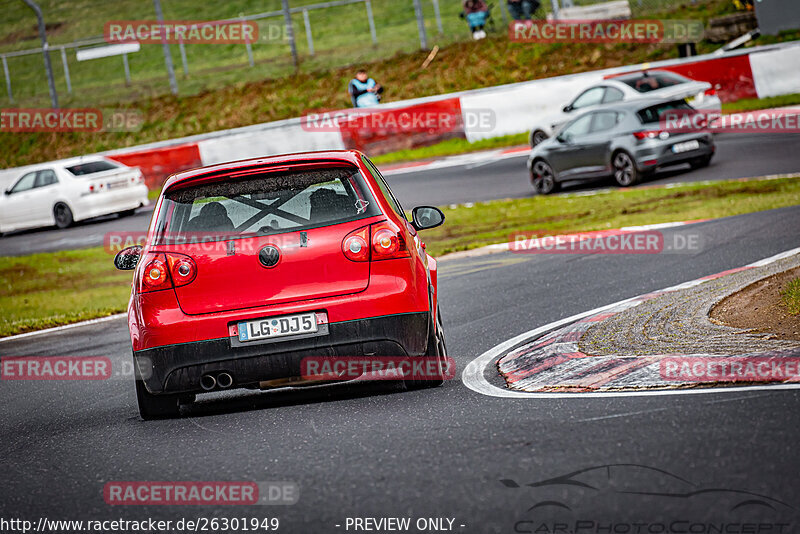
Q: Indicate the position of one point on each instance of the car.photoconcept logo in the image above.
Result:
(639, 498)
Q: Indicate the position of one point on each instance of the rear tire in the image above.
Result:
(437, 348)
(543, 178)
(625, 172)
(156, 406)
(62, 215)
(127, 213)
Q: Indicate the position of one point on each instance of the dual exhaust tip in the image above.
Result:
(209, 382)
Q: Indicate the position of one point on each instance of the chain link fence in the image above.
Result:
(326, 34)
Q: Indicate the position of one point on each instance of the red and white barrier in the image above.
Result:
(776, 72)
(279, 137)
(156, 164)
(751, 73)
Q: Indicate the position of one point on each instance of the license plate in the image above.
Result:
(685, 147)
(117, 185)
(272, 327)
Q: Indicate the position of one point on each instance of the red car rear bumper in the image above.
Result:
(178, 368)
(173, 350)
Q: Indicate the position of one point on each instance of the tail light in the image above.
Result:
(651, 134)
(356, 245)
(183, 269)
(165, 271)
(154, 276)
(379, 241)
(711, 92)
(387, 242)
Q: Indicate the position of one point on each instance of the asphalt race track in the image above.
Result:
(369, 450)
(738, 156)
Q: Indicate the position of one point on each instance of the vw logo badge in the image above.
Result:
(269, 256)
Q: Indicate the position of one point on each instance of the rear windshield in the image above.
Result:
(654, 113)
(653, 81)
(269, 203)
(91, 167)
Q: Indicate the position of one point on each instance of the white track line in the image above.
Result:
(476, 159)
(64, 327)
(473, 374)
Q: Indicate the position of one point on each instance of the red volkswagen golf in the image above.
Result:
(250, 267)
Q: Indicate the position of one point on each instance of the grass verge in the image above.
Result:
(44, 290)
(790, 297)
(494, 222)
(51, 289)
(751, 104)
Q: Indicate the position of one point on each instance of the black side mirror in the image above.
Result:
(425, 217)
(568, 108)
(563, 138)
(127, 258)
(7, 192)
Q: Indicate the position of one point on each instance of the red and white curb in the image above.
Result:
(474, 377)
(554, 362)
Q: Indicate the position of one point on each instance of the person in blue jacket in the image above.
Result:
(364, 91)
(476, 13)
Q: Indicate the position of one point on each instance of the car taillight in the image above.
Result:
(651, 134)
(165, 271)
(379, 241)
(183, 269)
(711, 92)
(154, 275)
(356, 245)
(387, 242)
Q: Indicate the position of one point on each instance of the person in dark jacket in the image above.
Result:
(522, 9)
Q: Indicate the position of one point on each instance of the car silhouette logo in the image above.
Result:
(635, 480)
(269, 256)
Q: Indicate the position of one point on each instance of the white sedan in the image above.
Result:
(647, 84)
(65, 191)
